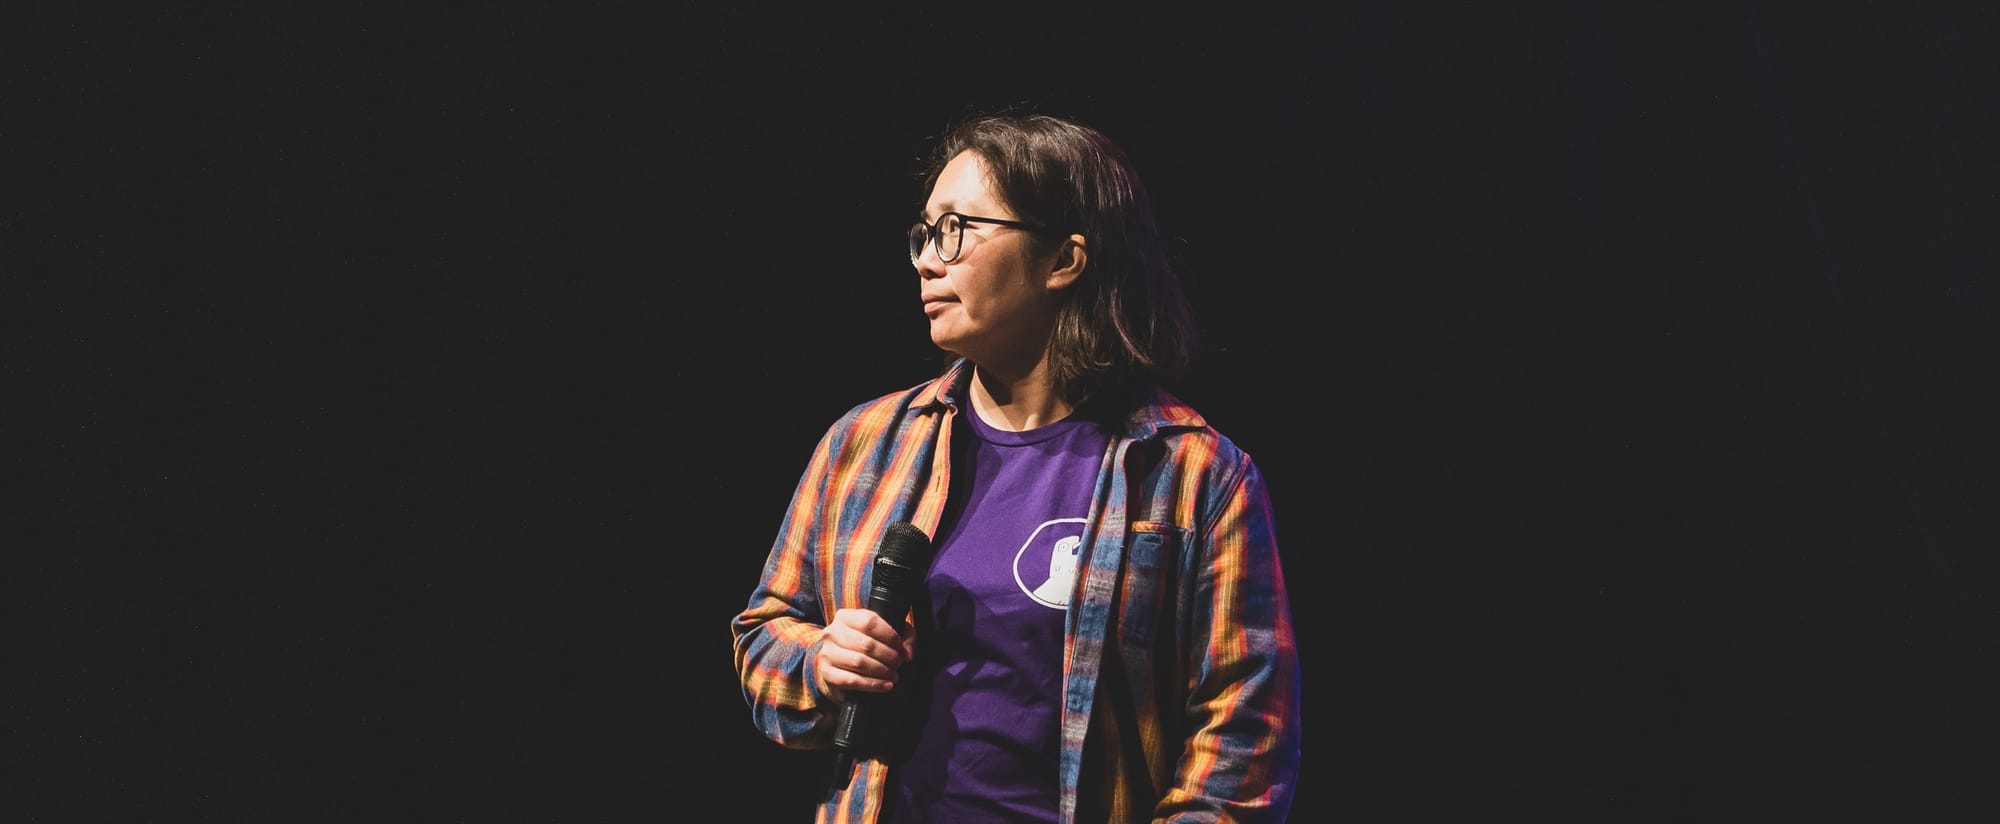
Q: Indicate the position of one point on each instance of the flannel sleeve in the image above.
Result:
(778, 633)
(1241, 758)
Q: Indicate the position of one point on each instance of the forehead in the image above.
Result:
(963, 186)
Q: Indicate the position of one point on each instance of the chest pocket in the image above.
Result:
(1152, 572)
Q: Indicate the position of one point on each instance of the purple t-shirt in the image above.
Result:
(990, 655)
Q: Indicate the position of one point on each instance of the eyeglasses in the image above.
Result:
(947, 234)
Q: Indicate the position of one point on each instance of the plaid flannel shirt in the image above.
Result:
(1181, 681)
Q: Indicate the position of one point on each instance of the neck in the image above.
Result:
(1019, 402)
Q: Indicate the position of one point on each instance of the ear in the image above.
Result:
(1068, 263)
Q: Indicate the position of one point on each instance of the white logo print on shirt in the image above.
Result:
(1065, 548)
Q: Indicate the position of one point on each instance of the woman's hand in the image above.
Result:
(862, 652)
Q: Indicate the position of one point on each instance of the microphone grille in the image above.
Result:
(904, 545)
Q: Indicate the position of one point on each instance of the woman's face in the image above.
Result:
(994, 303)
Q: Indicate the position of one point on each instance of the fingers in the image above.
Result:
(861, 652)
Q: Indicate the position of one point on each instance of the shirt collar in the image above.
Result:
(1158, 409)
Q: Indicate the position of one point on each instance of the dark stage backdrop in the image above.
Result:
(411, 396)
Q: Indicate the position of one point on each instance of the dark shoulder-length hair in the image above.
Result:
(1127, 320)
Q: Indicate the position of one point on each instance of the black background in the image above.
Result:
(413, 395)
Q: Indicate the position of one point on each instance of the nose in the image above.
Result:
(927, 263)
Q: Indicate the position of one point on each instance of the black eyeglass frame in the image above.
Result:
(933, 233)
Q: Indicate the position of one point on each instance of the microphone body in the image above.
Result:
(899, 567)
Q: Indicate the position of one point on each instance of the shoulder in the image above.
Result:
(1157, 413)
(891, 410)
(1178, 468)
(1185, 437)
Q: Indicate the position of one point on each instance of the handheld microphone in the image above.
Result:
(900, 562)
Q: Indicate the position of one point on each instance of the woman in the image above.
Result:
(1102, 632)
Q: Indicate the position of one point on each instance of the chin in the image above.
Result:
(946, 342)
